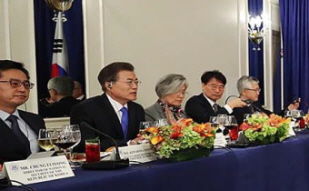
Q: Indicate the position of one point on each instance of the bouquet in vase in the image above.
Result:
(183, 140)
(260, 129)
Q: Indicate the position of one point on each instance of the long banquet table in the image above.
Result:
(276, 167)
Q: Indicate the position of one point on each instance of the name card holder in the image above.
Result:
(220, 141)
(38, 170)
(140, 153)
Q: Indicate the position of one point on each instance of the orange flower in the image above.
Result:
(176, 135)
(244, 126)
(153, 130)
(275, 120)
(186, 122)
(156, 139)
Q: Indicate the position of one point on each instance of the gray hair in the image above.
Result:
(170, 84)
(245, 82)
(62, 85)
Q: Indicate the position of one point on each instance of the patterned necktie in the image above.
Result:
(215, 107)
(124, 122)
(21, 136)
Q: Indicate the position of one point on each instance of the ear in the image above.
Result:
(108, 85)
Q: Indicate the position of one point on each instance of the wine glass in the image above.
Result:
(213, 120)
(70, 136)
(298, 116)
(232, 126)
(161, 123)
(46, 138)
(144, 125)
(221, 120)
(246, 117)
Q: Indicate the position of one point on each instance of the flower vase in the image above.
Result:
(189, 154)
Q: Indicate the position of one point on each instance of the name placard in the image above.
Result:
(139, 153)
(291, 130)
(220, 141)
(38, 170)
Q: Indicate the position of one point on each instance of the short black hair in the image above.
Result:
(109, 73)
(208, 75)
(9, 64)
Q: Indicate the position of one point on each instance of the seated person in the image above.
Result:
(114, 112)
(171, 90)
(78, 91)
(201, 107)
(18, 129)
(249, 91)
(60, 90)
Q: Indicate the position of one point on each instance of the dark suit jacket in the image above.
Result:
(11, 148)
(100, 114)
(62, 108)
(240, 112)
(200, 110)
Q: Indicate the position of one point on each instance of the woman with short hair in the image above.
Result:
(171, 90)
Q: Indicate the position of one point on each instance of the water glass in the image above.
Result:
(92, 148)
(144, 125)
(161, 123)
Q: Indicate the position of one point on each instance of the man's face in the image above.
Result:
(125, 88)
(10, 97)
(213, 89)
(251, 93)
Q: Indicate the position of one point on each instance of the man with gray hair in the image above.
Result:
(60, 90)
(249, 91)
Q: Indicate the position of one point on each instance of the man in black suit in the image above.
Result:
(201, 107)
(113, 113)
(249, 91)
(61, 100)
(18, 129)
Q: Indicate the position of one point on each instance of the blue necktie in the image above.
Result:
(124, 121)
(21, 136)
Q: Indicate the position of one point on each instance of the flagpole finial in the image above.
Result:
(59, 5)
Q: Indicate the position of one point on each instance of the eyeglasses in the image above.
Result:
(256, 90)
(131, 82)
(182, 93)
(17, 83)
(214, 87)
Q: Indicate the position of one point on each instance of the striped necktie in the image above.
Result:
(215, 107)
(21, 136)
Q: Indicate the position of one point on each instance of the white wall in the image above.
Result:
(176, 36)
(157, 36)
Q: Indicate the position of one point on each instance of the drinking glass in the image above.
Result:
(213, 120)
(46, 138)
(232, 126)
(298, 116)
(92, 149)
(70, 136)
(144, 125)
(221, 120)
(246, 117)
(161, 123)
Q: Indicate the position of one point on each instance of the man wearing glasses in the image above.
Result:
(114, 112)
(18, 129)
(201, 107)
(249, 91)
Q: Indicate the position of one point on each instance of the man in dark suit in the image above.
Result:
(113, 113)
(249, 91)
(201, 107)
(78, 91)
(61, 100)
(18, 129)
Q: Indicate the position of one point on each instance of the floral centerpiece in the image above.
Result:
(261, 129)
(184, 140)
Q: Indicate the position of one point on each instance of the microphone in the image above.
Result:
(105, 165)
(251, 104)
